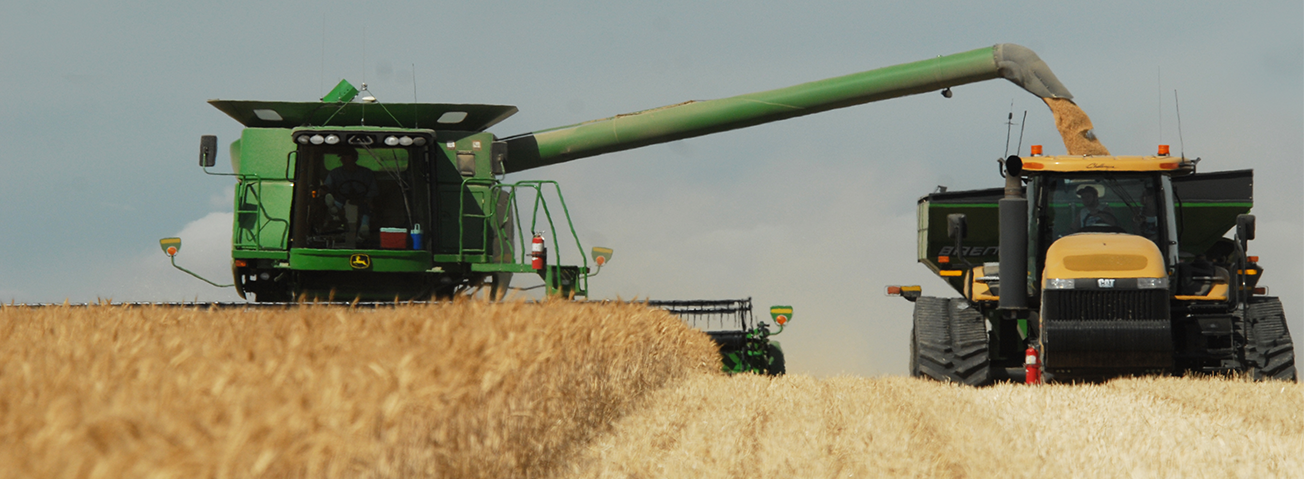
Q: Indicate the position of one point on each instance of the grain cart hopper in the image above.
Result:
(1104, 265)
(297, 232)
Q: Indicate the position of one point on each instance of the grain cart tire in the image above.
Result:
(777, 366)
(949, 342)
(1268, 349)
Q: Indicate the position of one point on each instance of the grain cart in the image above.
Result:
(1104, 266)
(432, 213)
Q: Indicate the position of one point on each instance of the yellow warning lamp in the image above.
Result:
(601, 255)
(781, 314)
(171, 246)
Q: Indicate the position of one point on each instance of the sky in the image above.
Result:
(101, 128)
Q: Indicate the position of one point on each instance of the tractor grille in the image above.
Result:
(1106, 304)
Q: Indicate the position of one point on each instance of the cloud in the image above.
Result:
(148, 276)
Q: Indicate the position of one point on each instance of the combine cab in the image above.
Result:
(1102, 265)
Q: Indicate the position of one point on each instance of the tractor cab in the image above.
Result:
(1076, 210)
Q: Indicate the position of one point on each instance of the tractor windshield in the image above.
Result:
(345, 196)
(1108, 204)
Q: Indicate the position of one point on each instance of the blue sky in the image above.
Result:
(106, 104)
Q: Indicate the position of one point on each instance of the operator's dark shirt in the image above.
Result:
(339, 176)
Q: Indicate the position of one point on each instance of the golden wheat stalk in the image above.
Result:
(456, 390)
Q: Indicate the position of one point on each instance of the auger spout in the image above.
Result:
(696, 118)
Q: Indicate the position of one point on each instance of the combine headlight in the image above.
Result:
(332, 139)
(405, 141)
(391, 140)
(317, 139)
(1152, 283)
(303, 139)
(1059, 283)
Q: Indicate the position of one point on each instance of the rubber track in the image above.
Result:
(1269, 349)
(950, 342)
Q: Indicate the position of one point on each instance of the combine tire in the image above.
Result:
(1268, 349)
(949, 342)
(777, 367)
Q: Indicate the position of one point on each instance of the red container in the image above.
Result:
(393, 238)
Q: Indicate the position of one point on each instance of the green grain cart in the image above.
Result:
(361, 199)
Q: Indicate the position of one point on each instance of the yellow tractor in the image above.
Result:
(1089, 267)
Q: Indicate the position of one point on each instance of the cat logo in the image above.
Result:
(1105, 283)
(360, 261)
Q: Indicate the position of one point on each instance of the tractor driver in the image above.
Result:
(1093, 212)
(352, 184)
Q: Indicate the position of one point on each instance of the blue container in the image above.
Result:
(416, 237)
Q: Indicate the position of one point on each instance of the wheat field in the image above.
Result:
(462, 390)
(798, 426)
(564, 390)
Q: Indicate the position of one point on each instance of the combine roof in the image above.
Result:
(1104, 163)
(434, 116)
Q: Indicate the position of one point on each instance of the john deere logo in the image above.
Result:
(360, 261)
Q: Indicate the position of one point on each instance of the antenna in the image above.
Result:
(1159, 86)
(1023, 124)
(1009, 125)
(415, 123)
(1181, 145)
(321, 79)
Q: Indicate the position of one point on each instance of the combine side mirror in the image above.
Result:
(207, 151)
(957, 227)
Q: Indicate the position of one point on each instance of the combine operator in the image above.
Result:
(351, 184)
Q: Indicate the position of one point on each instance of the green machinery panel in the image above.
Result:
(262, 160)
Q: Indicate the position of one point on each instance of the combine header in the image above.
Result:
(745, 345)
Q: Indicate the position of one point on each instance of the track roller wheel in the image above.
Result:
(949, 342)
(1268, 349)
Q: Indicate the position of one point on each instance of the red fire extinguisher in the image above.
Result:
(1032, 367)
(537, 252)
